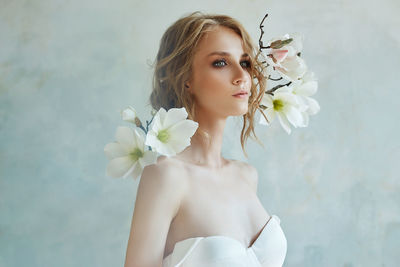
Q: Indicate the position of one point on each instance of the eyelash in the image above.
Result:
(223, 60)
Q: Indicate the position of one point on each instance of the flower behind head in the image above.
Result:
(128, 156)
(171, 131)
(283, 104)
(303, 89)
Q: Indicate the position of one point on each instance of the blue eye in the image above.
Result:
(248, 63)
(217, 63)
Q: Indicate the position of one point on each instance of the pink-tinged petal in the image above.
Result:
(279, 54)
(119, 166)
(174, 115)
(114, 150)
(284, 122)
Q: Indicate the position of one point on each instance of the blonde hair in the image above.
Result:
(174, 61)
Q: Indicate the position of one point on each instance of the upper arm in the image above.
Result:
(157, 202)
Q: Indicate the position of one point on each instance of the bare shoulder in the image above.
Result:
(250, 173)
(166, 172)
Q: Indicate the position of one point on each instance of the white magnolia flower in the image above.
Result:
(128, 156)
(284, 59)
(284, 105)
(171, 132)
(129, 114)
(303, 89)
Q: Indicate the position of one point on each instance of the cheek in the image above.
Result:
(210, 81)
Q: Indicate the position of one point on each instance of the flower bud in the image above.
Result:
(138, 123)
(129, 114)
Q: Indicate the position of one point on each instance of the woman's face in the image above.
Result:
(220, 69)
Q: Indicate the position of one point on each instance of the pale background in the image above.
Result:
(68, 67)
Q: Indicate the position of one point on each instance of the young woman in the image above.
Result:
(198, 208)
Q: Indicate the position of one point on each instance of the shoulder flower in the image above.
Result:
(170, 134)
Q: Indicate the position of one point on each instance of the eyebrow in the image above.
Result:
(222, 53)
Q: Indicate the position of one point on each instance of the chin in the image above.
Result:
(240, 112)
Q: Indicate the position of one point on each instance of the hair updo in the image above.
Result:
(174, 61)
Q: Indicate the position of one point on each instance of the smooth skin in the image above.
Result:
(198, 192)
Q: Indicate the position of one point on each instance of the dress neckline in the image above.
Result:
(229, 238)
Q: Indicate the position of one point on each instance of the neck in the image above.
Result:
(206, 152)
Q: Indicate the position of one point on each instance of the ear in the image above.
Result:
(187, 86)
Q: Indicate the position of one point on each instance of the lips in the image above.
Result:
(241, 92)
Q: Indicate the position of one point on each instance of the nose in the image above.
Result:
(241, 78)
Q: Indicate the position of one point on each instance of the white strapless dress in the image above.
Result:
(268, 250)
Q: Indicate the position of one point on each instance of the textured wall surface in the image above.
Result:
(68, 67)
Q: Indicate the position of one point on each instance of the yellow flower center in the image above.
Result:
(278, 104)
(163, 136)
(136, 154)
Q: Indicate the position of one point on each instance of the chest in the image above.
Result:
(217, 204)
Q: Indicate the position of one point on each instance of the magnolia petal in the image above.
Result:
(174, 115)
(284, 122)
(293, 68)
(178, 145)
(283, 89)
(124, 136)
(307, 89)
(313, 106)
(270, 114)
(131, 169)
(152, 140)
(156, 144)
(137, 171)
(158, 119)
(302, 103)
(305, 119)
(138, 140)
(267, 100)
(114, 150)
(165, 149)
(119, 166)
(294, 116)
(183, 129)
(297, 42)
(279, 54)
(288, 98)
(309, 76)
(149, 157)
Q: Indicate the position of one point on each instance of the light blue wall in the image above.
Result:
(68, 67)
